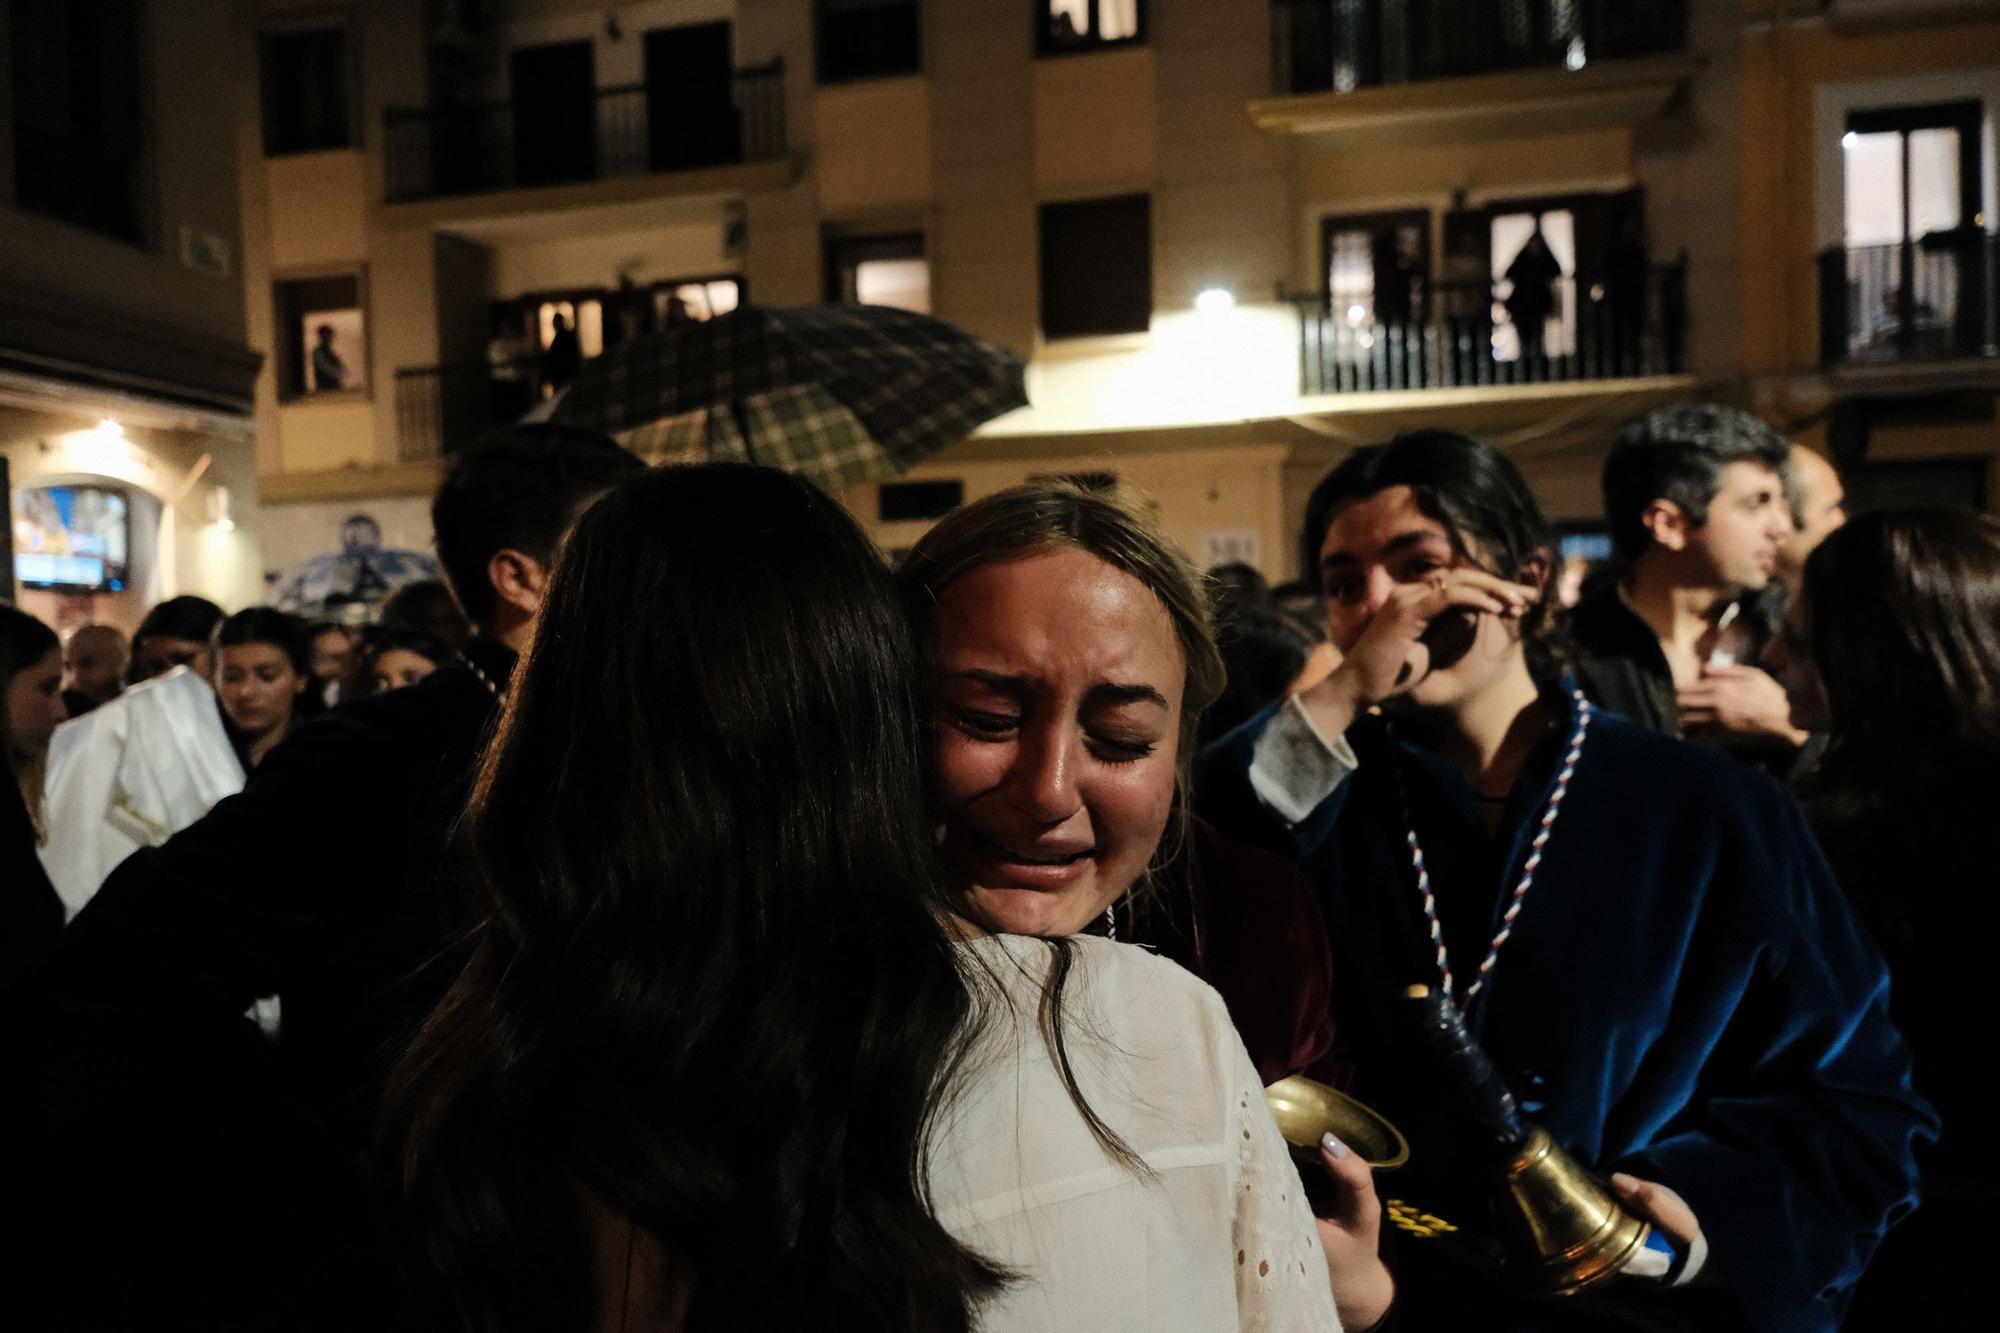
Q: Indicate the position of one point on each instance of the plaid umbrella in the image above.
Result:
(841, 394)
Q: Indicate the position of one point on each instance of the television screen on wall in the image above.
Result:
(71, 538)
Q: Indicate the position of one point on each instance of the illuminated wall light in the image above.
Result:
(1215, 300)
(218, 510)
(110, 431)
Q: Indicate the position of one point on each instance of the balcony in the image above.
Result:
(441, 409)
(1930, 299)
(1463, 336)
(1460, 67)
(621, 132)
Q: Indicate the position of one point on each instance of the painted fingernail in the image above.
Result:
(1333, 1145)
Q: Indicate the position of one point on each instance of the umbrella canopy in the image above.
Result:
(842, 394)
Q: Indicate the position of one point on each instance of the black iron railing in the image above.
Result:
(1923, 299)
(1320, 46)
(1464, 335)
(632, 130)
(441, 409)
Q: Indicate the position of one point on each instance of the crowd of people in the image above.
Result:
(686, 922)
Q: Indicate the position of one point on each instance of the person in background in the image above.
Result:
(1531, 296)
(1894, 651)
(94, 662)
(428, 605)
(1680, 994)
(178, 632)
(1263, 649)
(31, 708)
(1819, 507)
(562, 359)
(1695, 496)
(231, 1177)
(334, 659)
(329, 372)
(262, 670)
(393, 656)
(1073, 654)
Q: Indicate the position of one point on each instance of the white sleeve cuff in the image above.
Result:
(1293, 768)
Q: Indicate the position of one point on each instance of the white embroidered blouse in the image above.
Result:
(1218, 1236)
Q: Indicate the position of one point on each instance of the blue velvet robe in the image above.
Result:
(1685, 995)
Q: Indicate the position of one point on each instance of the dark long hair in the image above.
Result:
(24, 641)
(710, 992)
(1905, 627)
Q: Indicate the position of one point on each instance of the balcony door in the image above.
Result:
(691, 115)
(1910, 229)
(555, 113)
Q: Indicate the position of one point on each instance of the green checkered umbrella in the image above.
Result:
(842, 394)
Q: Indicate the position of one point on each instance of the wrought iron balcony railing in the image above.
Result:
(1468, 335)
(1320, 46)
(632, 130)
(1929, 298)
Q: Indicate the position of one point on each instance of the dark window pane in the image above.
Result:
(867, 39)
(79, 138)
(903, 501)
(1097, 267)
(305, 91)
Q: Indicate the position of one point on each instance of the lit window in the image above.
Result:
(1063, 26)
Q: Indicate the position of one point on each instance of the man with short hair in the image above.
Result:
(1695, 496)
(218, 1176)
(1819, 507)
(94, 659)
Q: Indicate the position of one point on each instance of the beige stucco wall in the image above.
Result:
(1198, 493)
(1096, 129)
(318, 210)
(872, 147)
(596, 259)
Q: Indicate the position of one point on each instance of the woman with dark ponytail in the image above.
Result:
(725, 1055)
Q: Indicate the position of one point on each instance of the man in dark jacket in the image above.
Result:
(1696, 498)
(222, 1176)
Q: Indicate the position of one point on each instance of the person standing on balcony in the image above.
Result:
(1532, 297)
(1695, 495)
(563, 357)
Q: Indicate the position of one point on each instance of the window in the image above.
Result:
(79, 134)
(1065, 26)
(1377, 266)
(306, 104)
(1097, 267)
(322, 337)
(867, 39)
(1910, 232)
(914, 501)
(879, 270)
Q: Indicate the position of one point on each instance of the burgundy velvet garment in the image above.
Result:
(1252, 930)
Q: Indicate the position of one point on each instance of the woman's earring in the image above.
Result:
(1110, 923)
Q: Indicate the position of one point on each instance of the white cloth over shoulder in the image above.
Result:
(1219, 1237)
(132, 774)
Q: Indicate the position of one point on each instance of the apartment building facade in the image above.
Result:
(1233, 238)
(1870, 131)
(126, 428)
